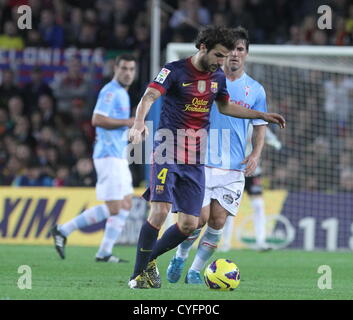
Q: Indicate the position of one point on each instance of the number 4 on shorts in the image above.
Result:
(162, 175)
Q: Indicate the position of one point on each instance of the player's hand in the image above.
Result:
(130, 122)
(275, 118)
(251, 162)
(138, 132)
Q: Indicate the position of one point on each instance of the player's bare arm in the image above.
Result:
(238, 111)
(108, 123)
(139, 129)
(258, 141)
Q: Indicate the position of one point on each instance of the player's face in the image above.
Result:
(237, 57)
(215, 58)
(125, 72)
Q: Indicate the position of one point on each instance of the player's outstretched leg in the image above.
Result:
(86, 218)
(207, 246)
(177, 263)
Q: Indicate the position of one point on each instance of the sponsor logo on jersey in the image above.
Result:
(201, 86)
(185, 84)
(247, 90)
(197, 105)
(214, 86)
(162, 75)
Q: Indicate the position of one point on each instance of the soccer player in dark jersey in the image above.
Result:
(190, 87)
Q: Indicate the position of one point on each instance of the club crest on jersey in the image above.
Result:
(162, 75)
(159, 188)
(201, 86)
(247, 90)
(214, 86)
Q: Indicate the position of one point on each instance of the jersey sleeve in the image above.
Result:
(260, 105)
(164, 80)
(222, 95)
(105, 102)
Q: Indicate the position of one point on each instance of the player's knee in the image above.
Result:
(114, 207)
(202, 222)
(187, 228)
(216, 222)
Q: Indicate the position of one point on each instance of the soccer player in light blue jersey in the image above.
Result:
(227, 163)
(111, 117)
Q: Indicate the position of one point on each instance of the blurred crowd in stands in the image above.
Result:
(46, 136)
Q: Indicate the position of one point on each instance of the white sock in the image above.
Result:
(113, 228)
(259, 220)
(86, 218)
(184, 248)
(228, 231)
(207, 246)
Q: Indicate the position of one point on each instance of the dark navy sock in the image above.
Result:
(147, 239)
(171, 238)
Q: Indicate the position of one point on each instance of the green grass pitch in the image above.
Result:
(282, 274)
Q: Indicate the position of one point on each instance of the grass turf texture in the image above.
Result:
(283, 274)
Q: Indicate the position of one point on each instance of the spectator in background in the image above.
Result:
(5, 124)
(35, 87)
(239, 16)
(24, 153)
(62, 176)
(33, 39)
(308, 28)
(10, 144)
(47, 109)
(22, 132)
(190, 12)
(87, 37)
(32, 177)
(12, 169)
(10, 40)
(83, 174)
(47, 136)
(8, 87)
(16, 108)
(78, 150)
(71, 86)
(120, 39)
(295, 36)
(346, 181)
(51, 33)
(340, 36)
(73, 26)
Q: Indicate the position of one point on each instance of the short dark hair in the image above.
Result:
(126, 57)
(242, 34)
(210, 36)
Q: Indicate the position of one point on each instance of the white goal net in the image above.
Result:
(309, 181)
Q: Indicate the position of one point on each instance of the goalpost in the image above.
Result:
(309, 182)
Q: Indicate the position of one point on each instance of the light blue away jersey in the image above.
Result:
(227, 150)
(113, 102)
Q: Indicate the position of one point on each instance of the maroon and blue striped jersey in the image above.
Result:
(189, 95)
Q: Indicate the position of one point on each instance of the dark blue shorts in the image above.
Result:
(181, 185)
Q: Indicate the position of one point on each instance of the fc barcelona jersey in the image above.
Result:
(184, 121)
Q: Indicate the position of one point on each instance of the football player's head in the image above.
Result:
(125, 69)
